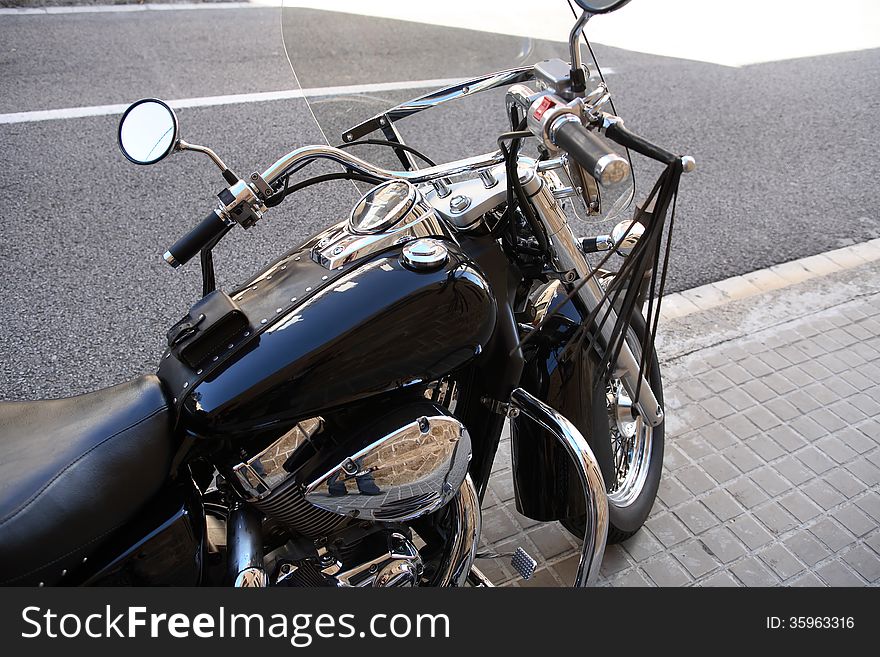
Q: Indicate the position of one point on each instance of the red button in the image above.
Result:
(545, 104)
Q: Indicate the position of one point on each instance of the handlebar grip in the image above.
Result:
(616, 132)
(195, 240)
(588, 150)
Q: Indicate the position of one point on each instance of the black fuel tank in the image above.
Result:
(338, 336)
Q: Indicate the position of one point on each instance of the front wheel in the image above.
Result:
(636, 448)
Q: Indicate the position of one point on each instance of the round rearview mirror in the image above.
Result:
(600, 6)
(147, 131)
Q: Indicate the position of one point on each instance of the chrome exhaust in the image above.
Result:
(467, 522)
(591, 478)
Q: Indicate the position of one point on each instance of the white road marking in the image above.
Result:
(112, 9)
(232, 99)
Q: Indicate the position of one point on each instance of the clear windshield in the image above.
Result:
(356, 59)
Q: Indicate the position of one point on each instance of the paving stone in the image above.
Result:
(835, 573)
(845, 482)
(778, 383)
(750, 532)
(551, 541)
(856, 439)
(735, 373)
(673, 457)
(722, 504)
(696, 558)
(798, 505)
(672, 493)
(694, 479)
(642, 545)
(737, 398)
(631, 578)
(720, 579)
(769, 481)
(719, 468)
(832, 534)
(498, 526)
(743, 457)
(867, 472)
(814, 460)
(854, 519)
(695, 390)
(665, 571)
(808, 428)
(793, 470)
(719, 437)
(694, 416)
(760, 391)
(717, 407)
(801, 401)
(752, 572)
(566, 570)
(764, 419)
(765, 447)
(783, 409)
(808, 579)
(615, 561)
(781, 561)
(667, 529)
(870, 504)
(864, 561)
(806, 547)
(788, 438)
(740, 426)
(823, 494)
(775, 518)
(865, 404)
(695, 517)
(746, 493)
(694, 445)
(827, 420)
(541, 578)
(851, 410)
(723, 544)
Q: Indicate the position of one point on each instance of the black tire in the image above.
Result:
(627, 516)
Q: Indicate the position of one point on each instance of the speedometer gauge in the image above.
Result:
(382, 207)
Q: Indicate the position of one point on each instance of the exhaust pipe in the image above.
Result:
(466, 523)
(591, 478)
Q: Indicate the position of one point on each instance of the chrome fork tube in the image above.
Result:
(569, 257)
(466, 525)
(244, 545)
(591, 478)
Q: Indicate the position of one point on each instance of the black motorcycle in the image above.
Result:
(334, 421)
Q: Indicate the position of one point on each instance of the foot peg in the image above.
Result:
(523, 563)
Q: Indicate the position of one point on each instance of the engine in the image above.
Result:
(342, 504)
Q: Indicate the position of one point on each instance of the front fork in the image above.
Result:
(567, 256)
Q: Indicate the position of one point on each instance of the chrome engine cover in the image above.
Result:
(407, 473)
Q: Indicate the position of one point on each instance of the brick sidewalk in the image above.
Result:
(771, 473)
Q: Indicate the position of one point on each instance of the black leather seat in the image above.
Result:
(74, 470)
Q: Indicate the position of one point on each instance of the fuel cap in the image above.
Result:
(424, 254)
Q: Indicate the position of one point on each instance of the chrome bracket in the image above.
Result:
(499, 407)
(264, 189)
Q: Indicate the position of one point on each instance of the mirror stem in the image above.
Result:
(577, 72)
(228, 175)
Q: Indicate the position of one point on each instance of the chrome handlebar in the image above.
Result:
(340, 156)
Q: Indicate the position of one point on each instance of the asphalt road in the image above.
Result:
(786, 153)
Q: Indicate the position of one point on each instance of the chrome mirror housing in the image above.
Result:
(148, 131)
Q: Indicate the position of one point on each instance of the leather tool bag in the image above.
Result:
(209, 327)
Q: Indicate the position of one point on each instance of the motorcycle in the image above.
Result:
(335, 420)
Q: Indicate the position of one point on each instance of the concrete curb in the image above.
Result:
(777, 277)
